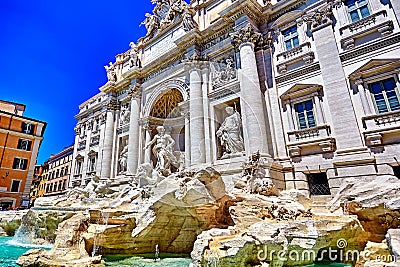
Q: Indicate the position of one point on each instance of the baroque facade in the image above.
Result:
(313, 86)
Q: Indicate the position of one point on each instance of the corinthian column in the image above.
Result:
(108, 139)
(133, 147)
(251, 97)
(196, 110)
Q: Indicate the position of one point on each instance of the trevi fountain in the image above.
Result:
(221, 178)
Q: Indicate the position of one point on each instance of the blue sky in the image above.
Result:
(53, 55)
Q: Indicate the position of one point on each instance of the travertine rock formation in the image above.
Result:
(170, 215)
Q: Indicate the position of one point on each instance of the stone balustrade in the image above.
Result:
(377, 126)
(309, 134)
(300, 53)
(377, 22)
(309, 141)
(382, 121)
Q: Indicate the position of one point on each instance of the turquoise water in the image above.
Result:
(9, 253)
(147, 260)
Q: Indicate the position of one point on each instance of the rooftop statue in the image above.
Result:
(134, 60)
(111, 75)
(167, 12)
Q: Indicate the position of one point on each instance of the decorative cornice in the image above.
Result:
(245, 35)
(240, 8)
(319, 18)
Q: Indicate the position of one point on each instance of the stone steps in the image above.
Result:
(319, 206)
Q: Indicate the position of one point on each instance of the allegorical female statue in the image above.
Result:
(230, 133)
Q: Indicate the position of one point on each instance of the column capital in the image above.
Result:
(135, 91)
(113, 105)
(196, 62)
(320, 18)
(246, 35)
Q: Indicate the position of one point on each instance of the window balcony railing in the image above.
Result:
(382, 121)
(316, 140)
(300, 53)
(308, 134)
(377, 22)
(377, 126)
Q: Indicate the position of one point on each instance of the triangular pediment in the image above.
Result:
(299, 90)
(375, 66)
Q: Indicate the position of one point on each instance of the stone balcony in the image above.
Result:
(379, 128)
(310, 141)
(377, 22)
(300, 53)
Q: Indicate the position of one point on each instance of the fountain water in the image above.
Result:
(102, 222)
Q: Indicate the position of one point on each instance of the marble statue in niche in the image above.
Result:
(123, 158)
(230, 133)
(163, 151)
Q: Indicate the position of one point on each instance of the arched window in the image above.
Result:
(167, 105)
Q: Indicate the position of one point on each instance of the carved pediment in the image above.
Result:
(286, 19)
(299, 90)
(375, 66)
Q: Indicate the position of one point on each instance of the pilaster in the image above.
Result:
(336, 90)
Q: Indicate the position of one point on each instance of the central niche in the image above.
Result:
(166, 106)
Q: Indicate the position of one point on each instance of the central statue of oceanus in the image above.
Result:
(163, 151)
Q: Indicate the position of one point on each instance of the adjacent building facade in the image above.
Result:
(57, 172)
(315, 84)
(20, 139)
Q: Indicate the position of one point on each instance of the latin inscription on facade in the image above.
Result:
(162, 46)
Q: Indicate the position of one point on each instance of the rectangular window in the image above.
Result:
(78, 169)
(28, 128)
(305, 114)
(15, 185)
(92, 164)
(357, 9)
(20, 164)
(290, 37)
(24, 144)
(385, 95)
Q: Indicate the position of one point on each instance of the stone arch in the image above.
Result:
(166, 106)
(163, 88)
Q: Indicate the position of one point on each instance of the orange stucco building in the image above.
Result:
(20, 139)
